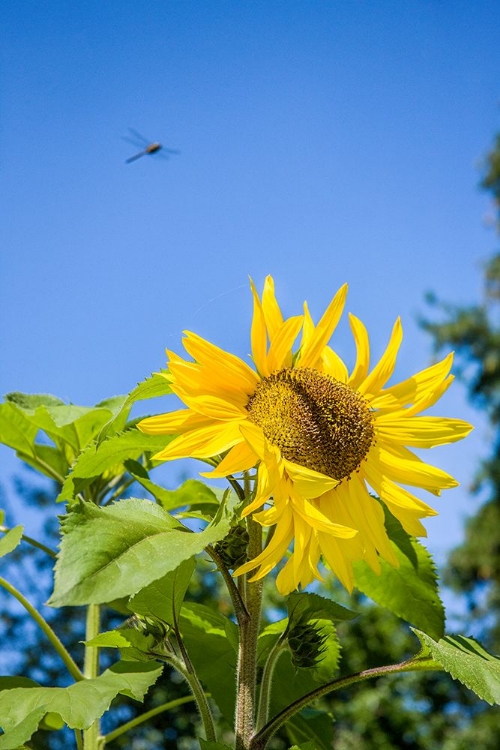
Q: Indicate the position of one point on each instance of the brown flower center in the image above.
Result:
(315, 420)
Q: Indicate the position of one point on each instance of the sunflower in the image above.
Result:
(321, 439)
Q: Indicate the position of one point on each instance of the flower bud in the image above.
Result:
(233, 548)
(306, 644)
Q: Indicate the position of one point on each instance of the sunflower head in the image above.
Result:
(321, 439)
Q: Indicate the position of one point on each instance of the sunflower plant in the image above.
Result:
(319, 474)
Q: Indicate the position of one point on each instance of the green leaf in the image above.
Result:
(163, 598)
(310, 722)
(204, 632)
(10, 540)
(467, 661)
(7, 683)
(206, 745)
(79, 705)
(290, 684)
(133, 644)
(98, 458)
(16, 430)
(31, 401)
(110, 552)
(304, 746)
(316, 607)
(152, 387)
(66, 423)
(191, 493)
(410, 591)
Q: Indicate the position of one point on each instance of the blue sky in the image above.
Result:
(321, 142)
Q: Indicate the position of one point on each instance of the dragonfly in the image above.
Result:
(147, 147)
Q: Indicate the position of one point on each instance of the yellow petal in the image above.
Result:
(409, 391)
(333, 365)
(308, 483)
(421, 432)
(311, 350)
(173, 423)
(258, 335)
(215, 407)
(280, 351)
(362, 364)
(412, 471)
(385, 367)
(229, 367)
(240, 458)
(314, 518)
(270, 307)
(274, 551)
(202, 443)
(368, 516)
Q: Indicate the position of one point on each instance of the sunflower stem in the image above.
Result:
(91, 736)
(247, 652)
(261, 739)
(266, 682)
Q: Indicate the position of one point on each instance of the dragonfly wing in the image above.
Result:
(135, 156)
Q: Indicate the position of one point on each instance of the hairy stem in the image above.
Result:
(91, 736)
(247, 652)
(45, 627)
(266, 682)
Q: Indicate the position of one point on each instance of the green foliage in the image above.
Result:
(79, 705)
(410, 591)
(108, 553)
(466, 660)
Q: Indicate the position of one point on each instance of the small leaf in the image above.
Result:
(96, 459)
(467, 661)
(110, 552)
(313, 606)
(10, 540)
(190, 493)
(410, 591)
(152, 387)
(163, 598)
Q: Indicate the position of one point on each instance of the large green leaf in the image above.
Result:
(78, 705)
(106, 456)
(107, 553)
(205, 634)
(467, 661)
(10, 540)
(410, 591)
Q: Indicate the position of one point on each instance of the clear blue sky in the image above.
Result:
(321, 142)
